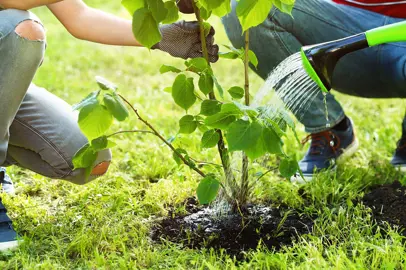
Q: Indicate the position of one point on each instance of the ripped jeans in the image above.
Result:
(38, 130)
(377, 72)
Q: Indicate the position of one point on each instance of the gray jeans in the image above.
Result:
(38, 130)
(378, 72)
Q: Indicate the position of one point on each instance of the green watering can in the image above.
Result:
(320, 60)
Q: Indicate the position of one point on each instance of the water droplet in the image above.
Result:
(328, 125)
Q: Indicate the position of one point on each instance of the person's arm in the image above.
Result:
(181, 39)
(26, 4)
(94, 25)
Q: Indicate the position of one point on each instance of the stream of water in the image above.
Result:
(288, 88)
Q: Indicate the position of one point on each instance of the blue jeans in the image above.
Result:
(377, 72)
(38, 130)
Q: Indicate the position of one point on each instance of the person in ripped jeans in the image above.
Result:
(38, 130)
(377, 72)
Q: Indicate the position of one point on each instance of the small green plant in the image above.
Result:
(230, 125)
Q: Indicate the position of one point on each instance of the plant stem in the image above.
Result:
(202, 32)
(246, 67)
(244, 186)
(221, 146)
(156, 133)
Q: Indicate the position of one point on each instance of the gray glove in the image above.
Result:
(182, 39)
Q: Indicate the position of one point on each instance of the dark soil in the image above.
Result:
(388, 203)
(271, 226)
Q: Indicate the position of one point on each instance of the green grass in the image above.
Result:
(105, 224)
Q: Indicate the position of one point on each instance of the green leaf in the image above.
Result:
(288, 167)
(145, 28)
(197, 65)
(223, 9)
(220, 120)
(208, 189)
(206, 83)
(183, 91)
(210, 4)
(100, 143)
(249, 111)
(168, 89)
(228, 114)
(210, 139)
(115, 106)
(94, 120)
(239, 52)
(210, 107)
(157, 7)
(173, 13)
(243, 135)
(166, 68)
(272, 142)
(84, 158)
(285, 6)
(232, 109)
(228, 55)
(253, 12)
(268, 142)
(236, 92)
(187, 124)
(218, 86)
(204, 14)
(91, 98)
(253, 58)
(133, 5)
(104, 84)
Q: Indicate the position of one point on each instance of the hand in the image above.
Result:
(182, 39)
(185, 6)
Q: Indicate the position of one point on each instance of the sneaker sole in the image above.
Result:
(401, 168)
(348, 152)
(8, 245)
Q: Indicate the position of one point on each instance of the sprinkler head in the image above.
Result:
(320, 60)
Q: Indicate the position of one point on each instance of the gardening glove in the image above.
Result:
(182, 39)
(185, 6)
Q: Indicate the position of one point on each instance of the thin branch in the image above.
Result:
(156, 133)
(268, 171)
(130, 131)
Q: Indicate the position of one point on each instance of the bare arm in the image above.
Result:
(26, 4)
(90, 24)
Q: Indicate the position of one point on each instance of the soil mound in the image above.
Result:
(273, 227)
(388, 203)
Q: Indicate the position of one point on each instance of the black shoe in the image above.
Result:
(8, 237)
(326, 148)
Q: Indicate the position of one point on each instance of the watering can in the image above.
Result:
(320, 60)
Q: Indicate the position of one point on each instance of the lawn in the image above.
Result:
(105, 224)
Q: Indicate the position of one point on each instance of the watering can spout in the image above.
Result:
(320, 60)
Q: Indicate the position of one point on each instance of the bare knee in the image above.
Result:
(100, 169)
(31, 30)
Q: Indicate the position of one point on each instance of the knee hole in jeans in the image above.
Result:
(100, 168)
(31, 30)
